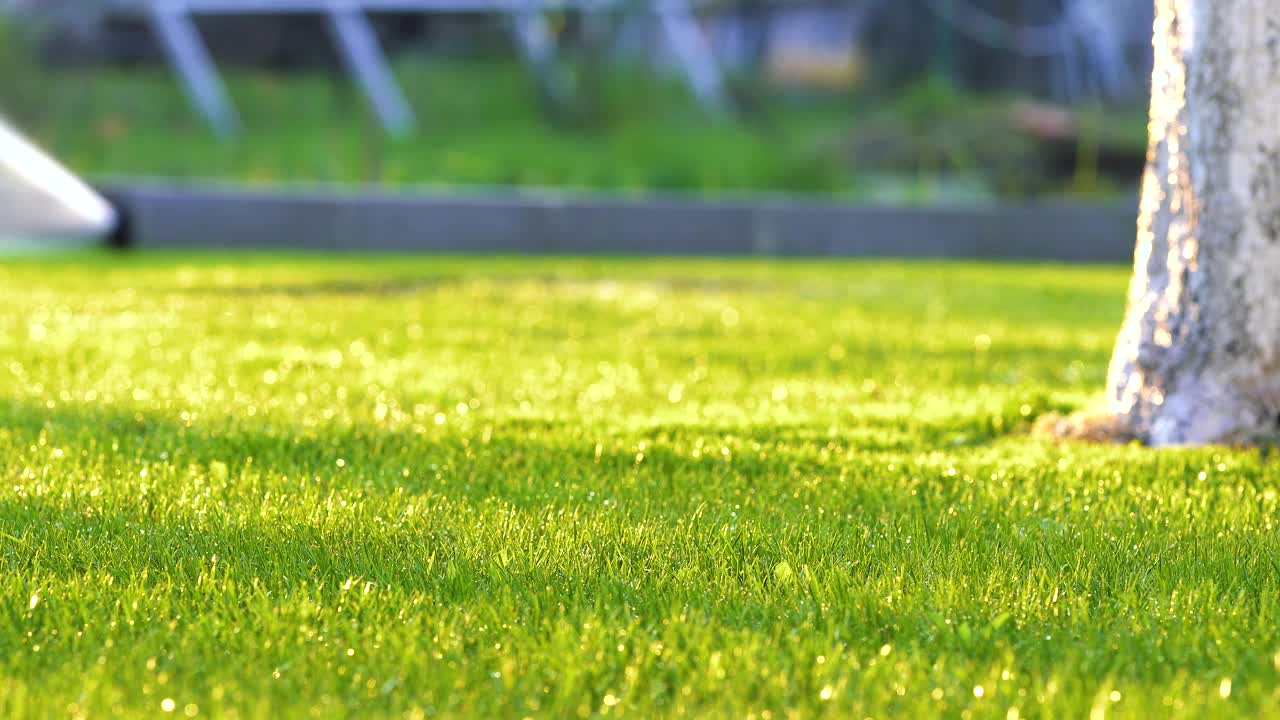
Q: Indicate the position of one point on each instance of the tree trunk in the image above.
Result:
(1198, 358)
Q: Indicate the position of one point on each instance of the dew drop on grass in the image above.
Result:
(979, 691)
(168, 704)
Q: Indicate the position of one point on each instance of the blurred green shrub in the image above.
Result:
(481, 124)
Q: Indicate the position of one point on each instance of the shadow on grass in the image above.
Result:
(393, 286)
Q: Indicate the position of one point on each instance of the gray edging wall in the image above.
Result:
(162, 216)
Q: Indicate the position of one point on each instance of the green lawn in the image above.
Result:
(270, 486)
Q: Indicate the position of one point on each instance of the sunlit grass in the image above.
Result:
(289, 486)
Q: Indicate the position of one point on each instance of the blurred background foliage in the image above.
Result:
(949, 124)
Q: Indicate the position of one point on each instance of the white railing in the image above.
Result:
(172, 22)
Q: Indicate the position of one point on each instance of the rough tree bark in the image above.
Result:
(1198, 358)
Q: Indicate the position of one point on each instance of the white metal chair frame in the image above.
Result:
(172, 21)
